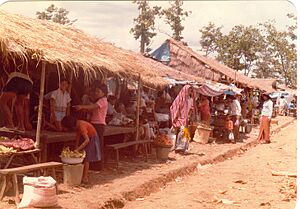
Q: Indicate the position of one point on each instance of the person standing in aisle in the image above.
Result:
(98, 113)
(265, 120)
(235, 113)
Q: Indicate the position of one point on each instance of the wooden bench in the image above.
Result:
(118, 146)
(12, 172)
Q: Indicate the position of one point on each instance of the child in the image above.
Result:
(229, 128)
(60, 104)
(98, 111)
(87, 139)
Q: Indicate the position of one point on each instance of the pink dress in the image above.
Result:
(99, 114)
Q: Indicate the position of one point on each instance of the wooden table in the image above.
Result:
(35, 154)
(49, 137)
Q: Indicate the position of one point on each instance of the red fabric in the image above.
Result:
(204, 110)
(179, 108)
(264, 131)
(86, 128)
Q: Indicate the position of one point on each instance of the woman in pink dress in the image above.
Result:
(98, 113)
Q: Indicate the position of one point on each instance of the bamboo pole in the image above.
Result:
(138, 99)
(40, 112)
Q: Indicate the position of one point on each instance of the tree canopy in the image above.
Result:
(174, 15)
(55, 14)
(260, 50)
(144, 23)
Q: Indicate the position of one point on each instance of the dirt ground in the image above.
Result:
(135, 178)
(243, 182)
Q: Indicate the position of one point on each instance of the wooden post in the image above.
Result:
(40, 112)
(71, 82)
(138, 99)
(250, 107)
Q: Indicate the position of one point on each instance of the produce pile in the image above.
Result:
(13, 145)
(162, 140)
(67, 153)
(6, 150)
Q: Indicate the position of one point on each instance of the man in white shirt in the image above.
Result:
(282, 103)
(60, 102)
(235, 112)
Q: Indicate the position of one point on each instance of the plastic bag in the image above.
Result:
(182, 141)
(231, 136)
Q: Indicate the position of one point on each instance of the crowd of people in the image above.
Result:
(175, 107)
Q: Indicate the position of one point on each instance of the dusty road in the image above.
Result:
(245, 181)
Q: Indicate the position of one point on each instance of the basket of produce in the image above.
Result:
(72, 157)
(163, 146)
(162, 140)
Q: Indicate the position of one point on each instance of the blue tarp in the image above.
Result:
(162, 53)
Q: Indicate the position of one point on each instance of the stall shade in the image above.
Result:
(209, 91)
(213, 90)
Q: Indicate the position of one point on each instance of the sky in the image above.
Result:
(112, 20)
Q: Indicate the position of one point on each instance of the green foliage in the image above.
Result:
(261, 49)
(55, 14)
(174, 15)
(282, 54)
(144, 23)
(210, 36)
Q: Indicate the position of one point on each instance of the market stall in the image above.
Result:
(82, 59)
(11, 148)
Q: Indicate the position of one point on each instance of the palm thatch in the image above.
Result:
(67, 48)
(184, 59)
(267, 85)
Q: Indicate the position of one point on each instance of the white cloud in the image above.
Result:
(112, 20)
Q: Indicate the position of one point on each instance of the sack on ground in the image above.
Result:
(39, 192)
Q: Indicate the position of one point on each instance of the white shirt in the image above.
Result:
(110, 109)
(235, 108)
(282, 102)
(267, 108)
(61, 100)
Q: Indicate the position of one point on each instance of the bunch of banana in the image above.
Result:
(6, 150)
(66, 152)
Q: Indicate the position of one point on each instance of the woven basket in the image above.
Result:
(202, 135)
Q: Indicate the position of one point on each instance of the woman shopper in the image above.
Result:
(98, 113)
(265, 119)
(204, 110)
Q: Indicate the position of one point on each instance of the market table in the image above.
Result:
(49, 137)
(34, 153)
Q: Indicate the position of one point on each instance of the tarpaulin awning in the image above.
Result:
(217, 89)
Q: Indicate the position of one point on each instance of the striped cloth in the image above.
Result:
(207, 90)
(213, 90)
(180, 108)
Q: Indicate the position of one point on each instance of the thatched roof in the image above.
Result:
(69, 48)
(265, 84)
(287, 89)
(184, 59)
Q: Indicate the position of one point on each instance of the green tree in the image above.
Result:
(55, 14)
(282, 57)
(240, 48)
(261, 49)
(210, 36)
(144, 28)
(174, 16)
